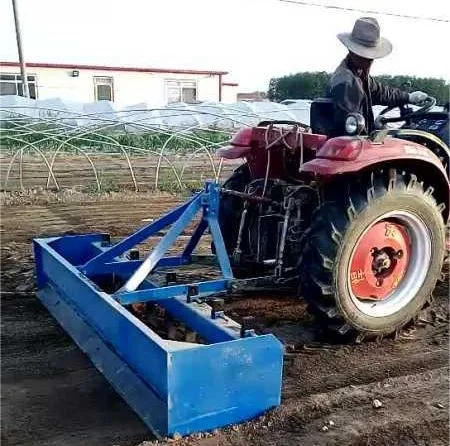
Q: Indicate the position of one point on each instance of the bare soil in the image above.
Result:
(52, 394)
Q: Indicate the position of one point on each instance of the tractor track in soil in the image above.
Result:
(52, 395)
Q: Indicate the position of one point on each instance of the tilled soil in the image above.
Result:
(113, 171)
(52, 395)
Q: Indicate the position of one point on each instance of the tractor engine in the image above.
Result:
(275, 215)
(271, 203)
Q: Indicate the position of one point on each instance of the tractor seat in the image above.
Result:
(321, 116)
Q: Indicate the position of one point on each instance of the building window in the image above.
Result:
(103, 88)
(181, 91)
(12, 84)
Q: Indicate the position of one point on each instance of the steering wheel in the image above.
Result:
(406, 113)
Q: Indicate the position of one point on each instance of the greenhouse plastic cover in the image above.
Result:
(140, 117)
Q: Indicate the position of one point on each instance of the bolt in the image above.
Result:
(133, 254)
(399, 254)
(171, 278)
(217, 306)
(248, 322)
(379, 282)
(192, 290)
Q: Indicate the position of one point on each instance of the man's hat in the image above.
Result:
(365, 40)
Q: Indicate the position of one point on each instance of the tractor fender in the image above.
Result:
(347, 155)
(239, 146)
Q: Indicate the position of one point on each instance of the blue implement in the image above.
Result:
(175, 387)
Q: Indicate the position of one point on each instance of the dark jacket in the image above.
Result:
(353, 91)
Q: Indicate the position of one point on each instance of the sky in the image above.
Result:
(254, 40)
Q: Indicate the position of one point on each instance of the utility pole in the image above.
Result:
(19, 50)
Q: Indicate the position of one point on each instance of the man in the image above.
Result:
(351, 87)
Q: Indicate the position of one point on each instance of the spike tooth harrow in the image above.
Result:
(175, 387)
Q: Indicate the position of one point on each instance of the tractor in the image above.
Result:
(356, 223)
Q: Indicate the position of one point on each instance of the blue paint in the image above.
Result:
(150, 406)
(127, 267)
(138, 237)
(174, 387)
(170, 291)
(198, 317)
(196, 236)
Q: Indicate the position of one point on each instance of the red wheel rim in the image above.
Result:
(380, 261)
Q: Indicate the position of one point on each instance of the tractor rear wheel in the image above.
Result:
(373, 254)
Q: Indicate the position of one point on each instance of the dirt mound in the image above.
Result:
(53, 395)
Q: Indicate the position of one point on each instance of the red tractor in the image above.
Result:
(357, 223)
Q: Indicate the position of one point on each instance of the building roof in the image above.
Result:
(108, 68)
(253, 96)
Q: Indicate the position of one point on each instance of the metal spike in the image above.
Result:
(429, 190)
(351, 211)
(343, 329)
(336, 236)
(370, 194)
(360, 338)
(330, 312)
(326, 262)
(392, 179)
(412, 181)
(372, 176)
(441, 207)
(327, 290)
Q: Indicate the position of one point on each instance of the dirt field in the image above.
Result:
(52, 395)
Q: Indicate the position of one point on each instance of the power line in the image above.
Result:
(341, 8)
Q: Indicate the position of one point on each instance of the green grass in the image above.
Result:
(48, 138)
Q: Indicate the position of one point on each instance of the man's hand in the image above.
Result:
(417, 97)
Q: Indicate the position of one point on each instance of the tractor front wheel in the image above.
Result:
(373, 254)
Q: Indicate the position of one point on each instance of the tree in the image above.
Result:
(310, 85)
(307, 85)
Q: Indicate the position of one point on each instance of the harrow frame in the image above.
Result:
(175, 387)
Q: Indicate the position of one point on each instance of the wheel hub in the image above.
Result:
(379, 261)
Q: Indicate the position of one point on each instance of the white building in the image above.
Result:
(121, 85)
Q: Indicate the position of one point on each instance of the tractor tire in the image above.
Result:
(373, 254)
(230, 207)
